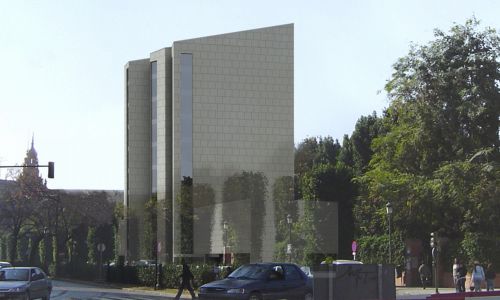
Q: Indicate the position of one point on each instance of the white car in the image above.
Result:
(4, 264)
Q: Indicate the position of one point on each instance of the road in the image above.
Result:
(79, 291)
(87, 291)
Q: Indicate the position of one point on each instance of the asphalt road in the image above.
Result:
(80, 291)
(88, 291)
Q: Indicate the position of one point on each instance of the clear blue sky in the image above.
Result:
(61, 66)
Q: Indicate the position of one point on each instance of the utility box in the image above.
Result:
(354, 282)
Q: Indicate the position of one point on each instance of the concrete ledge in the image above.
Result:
(495, 295)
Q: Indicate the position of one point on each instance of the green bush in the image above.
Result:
(375, 249)
(146, 275)
(171, 274)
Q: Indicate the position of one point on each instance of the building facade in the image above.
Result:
(209, 135)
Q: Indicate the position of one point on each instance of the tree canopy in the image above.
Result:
(436, 157)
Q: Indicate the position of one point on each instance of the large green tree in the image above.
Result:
(445, 107)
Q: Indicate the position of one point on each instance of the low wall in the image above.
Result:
(354, 282)
(466, 296)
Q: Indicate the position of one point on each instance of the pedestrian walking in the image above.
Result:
(477, 276)
(459, 273)
(490, 277)
(456, 274)
(186, 278)
(462, 271)
(425, 274)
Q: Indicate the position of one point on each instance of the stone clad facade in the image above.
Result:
(209, 132)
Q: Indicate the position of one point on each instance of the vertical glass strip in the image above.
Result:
(186, 129)
(154, 85)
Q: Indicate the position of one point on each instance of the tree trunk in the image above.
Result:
(13, 246)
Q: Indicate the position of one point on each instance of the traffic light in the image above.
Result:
(51, 169)
(433, 241)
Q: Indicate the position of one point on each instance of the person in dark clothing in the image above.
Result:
(462, 273)
(186, 278)
(229, 270)
(425, 274)
(490, 277)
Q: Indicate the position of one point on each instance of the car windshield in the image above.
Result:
(14, 275)
(250, 272)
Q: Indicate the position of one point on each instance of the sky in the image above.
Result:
(62, 66)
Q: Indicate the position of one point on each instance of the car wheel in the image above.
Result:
(255, 296)
(308, 296)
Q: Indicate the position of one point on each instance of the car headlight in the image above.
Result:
(236, 291)
(17, 289)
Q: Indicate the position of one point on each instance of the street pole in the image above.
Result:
(289, 248)
(388, 207)
(225, 225)
(434, 246)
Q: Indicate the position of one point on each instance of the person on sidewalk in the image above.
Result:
(490, 277)
(462, 271)
(477, 276)
(186, 278)
(425, 274)
(459, 273)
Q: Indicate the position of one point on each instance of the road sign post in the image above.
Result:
(100, 247)
(354, 248)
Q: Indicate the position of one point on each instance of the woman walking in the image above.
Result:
(477, 276)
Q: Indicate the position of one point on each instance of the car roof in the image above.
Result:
(272, 264)
(20, 268)
(346, 262)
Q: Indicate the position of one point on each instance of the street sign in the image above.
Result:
(289, 249)
(101, 247)
(354, 246)
(158, 248)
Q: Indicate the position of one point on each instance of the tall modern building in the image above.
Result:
(209, 135)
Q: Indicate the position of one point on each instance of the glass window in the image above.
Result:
(154, 92)
(186, 129)
(291, 273)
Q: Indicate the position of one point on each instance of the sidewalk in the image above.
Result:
(419, 293)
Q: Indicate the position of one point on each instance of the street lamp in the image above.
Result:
(225, 226)
(289, 246)
(434, 246)
(388, 208)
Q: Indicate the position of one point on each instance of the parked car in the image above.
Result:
(146, 263)
(261, 281)
(346, 262)
(4, 264)
(24, 283)
(307, 271)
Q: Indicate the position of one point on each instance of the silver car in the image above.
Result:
(4, 264)
(24, 283)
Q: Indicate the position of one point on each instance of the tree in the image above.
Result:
(443, 118)
(366, 130)
(247, 192)
(284, 204)
(445, 100)
(21, 201)
(150, 229)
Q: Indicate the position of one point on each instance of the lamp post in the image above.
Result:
(225, 226)
(289, 246)
(388, 208)
(434, 247)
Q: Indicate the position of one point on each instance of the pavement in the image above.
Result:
(411, 293)
(402, 293)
